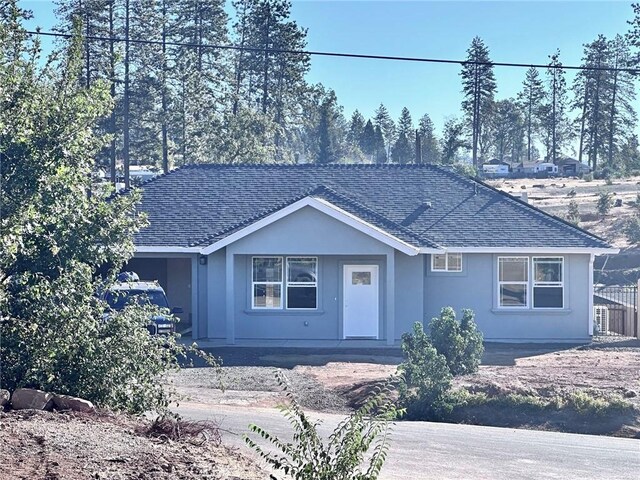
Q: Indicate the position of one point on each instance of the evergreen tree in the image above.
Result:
(428, 141)
(403, 151)
(478, 88)
(356, 128)
(383, 120)
(557, 130)
(530, 101)
(368, 141)
(380, 154)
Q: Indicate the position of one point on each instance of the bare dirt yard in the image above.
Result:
(605, 369)
(68, 446)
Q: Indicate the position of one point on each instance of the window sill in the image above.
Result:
(531, 311)
(283, 312)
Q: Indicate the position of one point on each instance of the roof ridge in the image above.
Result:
(518, 201)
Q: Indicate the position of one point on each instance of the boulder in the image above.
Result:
(25, 398)
(67, 402)
(4, 397)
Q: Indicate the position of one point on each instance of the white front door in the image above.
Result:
(360, 301)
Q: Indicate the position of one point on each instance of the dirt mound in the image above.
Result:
(53, 446)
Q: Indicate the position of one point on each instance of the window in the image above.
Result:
(446, 262)
(544, 283)
(548, 289)
(513, 281)
(302, 285)
(269, 284)
(266, 285)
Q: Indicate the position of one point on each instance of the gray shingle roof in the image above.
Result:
(424, 205)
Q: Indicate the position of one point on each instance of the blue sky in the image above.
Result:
(515, 31)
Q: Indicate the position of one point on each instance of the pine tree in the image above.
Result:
(428, 141)
(478, 88)
(557, 130)
(403, 151)
(368, 141)
(383, 120)
(530, 101)
(356, 127)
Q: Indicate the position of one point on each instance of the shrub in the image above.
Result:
(588, 177)
(426, 379)
(573, 214)
(343, 456)
(605, 201)
(465, 169)
(460, 343)
(632, 230)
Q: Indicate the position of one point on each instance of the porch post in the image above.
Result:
(229, 298)
(195, 289)
(391, 297)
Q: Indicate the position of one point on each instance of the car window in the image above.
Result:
(118, 299)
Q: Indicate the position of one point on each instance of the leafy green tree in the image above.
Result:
(507, 131)
(452, 140)
(478, 89)
(56, 239)
(356, 450)
(530, 101)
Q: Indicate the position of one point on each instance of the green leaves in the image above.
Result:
(56, 241)
(342, 456)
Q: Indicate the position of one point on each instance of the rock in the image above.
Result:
(630, 394)
(25, 398)
(67, 402)
(4, 397)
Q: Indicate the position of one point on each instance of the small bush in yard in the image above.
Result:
(632, 230)
(459, 342)
(426, 379)
(342, 457)
(573, 213)
(605, 200)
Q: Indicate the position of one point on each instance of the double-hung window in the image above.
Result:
(266, 285)
(513, 282)
(446, 262)
(522, 278)
(273, 287)
(548, 287)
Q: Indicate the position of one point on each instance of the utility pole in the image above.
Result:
(165, 152)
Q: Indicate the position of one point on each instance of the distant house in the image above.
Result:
(311, 253)
(537, 168)
(572, 167)
(496, 168)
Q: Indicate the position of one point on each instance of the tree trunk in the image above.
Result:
(125, 127)
(165, 147)
(529, 118)
(236, 96)
(582, 120)
(265, 78)
(112, 74)
(612, 115)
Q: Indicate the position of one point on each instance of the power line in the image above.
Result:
(634, 71)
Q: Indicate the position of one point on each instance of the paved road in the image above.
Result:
(423, 450)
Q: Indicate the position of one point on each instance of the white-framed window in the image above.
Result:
(548, 282)
(273, 288)
(539, 278)
(302, 282)
(266, 282)
(446, 262)
(513, 282)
